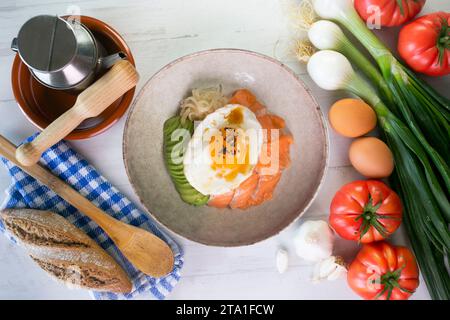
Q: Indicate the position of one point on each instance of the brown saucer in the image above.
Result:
(42, 105)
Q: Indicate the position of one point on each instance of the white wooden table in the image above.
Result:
(159, 31)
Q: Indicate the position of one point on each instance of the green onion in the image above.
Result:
(327, 35)
(431, 262)
(425, 200)
(422, 108)
(420, 144)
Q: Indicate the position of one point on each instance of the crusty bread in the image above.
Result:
(64, 251)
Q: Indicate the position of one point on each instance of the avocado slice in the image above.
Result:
(176, 170)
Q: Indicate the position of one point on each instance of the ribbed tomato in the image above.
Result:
(393, 12)
(365, 211)
(385, 272)
(425, 44)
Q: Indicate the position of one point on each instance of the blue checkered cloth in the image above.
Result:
(61, 160)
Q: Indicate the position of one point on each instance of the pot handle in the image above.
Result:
(14, 45)
(108, 61)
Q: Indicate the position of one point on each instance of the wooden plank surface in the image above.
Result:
(159, 31)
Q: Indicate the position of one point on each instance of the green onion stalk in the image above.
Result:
(326, 35)
(414, 176)
(425, 111)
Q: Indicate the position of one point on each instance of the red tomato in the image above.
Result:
(385, 272)
(393, 12)
(425, 44)
(365, 211)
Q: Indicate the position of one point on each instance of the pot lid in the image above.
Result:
(46, 43)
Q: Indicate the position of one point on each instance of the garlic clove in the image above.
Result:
(282, 260)
(330, 269)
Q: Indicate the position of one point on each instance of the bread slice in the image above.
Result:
(64, 251)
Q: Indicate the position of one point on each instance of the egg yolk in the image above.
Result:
(230, 153)
(236, 116)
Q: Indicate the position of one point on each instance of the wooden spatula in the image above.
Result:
(144, 250)
(90, 103)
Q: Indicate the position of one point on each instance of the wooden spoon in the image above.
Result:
(144, 250)
(90, 103)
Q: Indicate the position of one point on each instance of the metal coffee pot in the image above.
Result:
(61, 54)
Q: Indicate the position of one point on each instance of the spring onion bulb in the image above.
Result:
(427, 206)
(344, 12)
(331, 70)
(339, 72)
(327, 35)
(332, 9)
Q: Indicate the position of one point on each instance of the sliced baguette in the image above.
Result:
(64, 251)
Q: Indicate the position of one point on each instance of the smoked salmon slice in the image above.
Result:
(247, 99)
(244, 192)
(264, 189)
(285, 142)
(243, 97)
(258, 108)
(221, 200)
(271, 121)
(284, 159)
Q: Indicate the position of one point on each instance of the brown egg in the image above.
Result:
(371, 157)
(352, 117)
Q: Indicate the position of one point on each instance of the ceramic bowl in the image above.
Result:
(42, 105)
(280, 90)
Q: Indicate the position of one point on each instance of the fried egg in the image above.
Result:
(223, 150)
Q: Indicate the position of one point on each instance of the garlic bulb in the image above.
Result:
(331, 268)
(282, 260)
(314, 241)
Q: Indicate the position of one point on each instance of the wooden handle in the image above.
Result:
(90, 103)
(144, 250)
